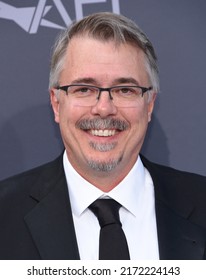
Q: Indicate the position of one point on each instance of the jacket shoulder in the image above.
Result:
(184, 192)
(167, 173)
(25, 180)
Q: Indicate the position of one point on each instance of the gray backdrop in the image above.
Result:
(177, 28)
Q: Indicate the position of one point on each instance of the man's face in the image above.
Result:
(102, 138)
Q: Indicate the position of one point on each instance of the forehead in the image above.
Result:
(91, 57)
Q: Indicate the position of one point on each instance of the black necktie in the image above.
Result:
(112, 241)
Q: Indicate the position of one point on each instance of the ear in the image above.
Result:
(151, 103)
(55, 104)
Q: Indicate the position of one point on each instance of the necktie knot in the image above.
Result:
(106, 211)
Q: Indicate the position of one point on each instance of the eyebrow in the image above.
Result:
(121, 80)
(126, 80)
(84, 81)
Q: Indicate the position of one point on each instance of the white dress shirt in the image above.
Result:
(137, 214)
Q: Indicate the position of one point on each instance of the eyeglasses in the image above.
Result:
(88, 95)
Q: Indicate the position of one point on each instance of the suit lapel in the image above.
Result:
(50, 221)
(178, 237)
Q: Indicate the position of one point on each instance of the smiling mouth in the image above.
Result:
(103, 133)
(102, 127)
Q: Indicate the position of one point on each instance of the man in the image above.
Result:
(103, 85)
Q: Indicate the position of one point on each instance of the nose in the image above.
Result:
(104, 106)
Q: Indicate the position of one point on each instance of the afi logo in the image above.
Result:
(30, 18)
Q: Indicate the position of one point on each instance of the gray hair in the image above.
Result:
(105, 26)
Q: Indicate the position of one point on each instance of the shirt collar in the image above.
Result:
(128, 192)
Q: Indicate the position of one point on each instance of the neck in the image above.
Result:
(104, 176)
(108, 179)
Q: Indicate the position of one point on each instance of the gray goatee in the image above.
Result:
(99, 123)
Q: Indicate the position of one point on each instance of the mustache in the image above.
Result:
(98, 123)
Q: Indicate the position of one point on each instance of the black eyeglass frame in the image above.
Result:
(65, 88)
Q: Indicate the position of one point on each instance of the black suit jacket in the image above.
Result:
(36, 220)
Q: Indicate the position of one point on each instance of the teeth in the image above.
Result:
(104, 133)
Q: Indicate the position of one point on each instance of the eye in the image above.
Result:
(83, 90)
(127, 91)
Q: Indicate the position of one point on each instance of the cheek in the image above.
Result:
(137, 116)
(69, 115)
(138, 119)
(67, 120)
(64, 118)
